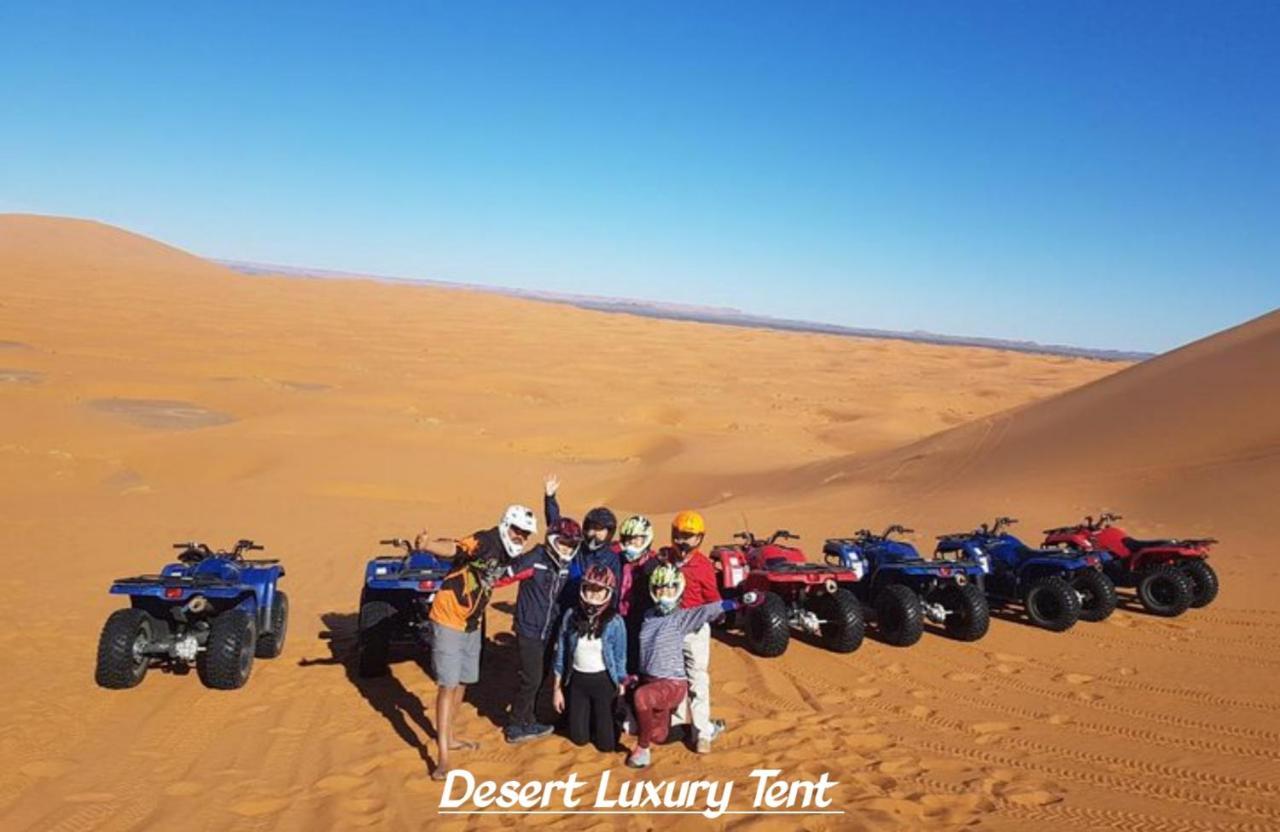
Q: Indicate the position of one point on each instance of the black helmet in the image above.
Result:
(601, 518)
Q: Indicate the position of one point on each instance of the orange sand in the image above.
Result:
(148, 396)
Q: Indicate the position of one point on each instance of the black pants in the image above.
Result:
(591, 700)
(535, 655)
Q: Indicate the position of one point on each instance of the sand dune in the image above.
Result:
(150, 396)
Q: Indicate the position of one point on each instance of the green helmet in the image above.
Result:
(666, 586)
(635, 526)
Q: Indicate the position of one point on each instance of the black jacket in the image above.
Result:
(542, 580)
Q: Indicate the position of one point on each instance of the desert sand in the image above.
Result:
(149, 396)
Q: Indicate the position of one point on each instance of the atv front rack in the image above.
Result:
(177, 580)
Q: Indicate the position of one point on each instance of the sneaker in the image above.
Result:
(537, 730)
(638, 758)
(703, 746)
(515, 734)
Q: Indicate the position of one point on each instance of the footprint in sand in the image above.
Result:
(1075, 678)
(1008, 658)
(259, 806)
(1126, 671)
(865, 693)
(921, 712)
(990, 727)
(1059, 719)
(867, 742)
(961, 676)
(1032, 797)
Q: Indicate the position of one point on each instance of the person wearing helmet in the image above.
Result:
(591, 661)
(598, 529)
(663, 679)
(542, 574)
(688, 529)
(457, 614)
(635, 539)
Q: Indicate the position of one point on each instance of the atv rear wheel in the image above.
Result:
(1098, 597)
(271, 644)
(1204, 582)
(122, 661)
(968, 616)
(1052, 604)
(227, 658)
(899, 615)
(373, 645)
(767, 630)
(1166, 590)
(842, 627)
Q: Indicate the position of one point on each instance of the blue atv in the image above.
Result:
(395, 603)
(903, 589)
(1056, 587)
(217, 610)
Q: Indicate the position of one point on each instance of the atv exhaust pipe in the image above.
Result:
(831, 586)
(198, 604)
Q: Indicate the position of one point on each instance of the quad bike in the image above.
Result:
(1056, 587)
(796, 595)
(1169, 575)
(217, 610)
(903, 589)
(395, 602)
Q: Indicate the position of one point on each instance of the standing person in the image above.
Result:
(663, 681)
(598, 528)
(456, 616)
(591, 659)
(688, 530)
(542, 573)
(636, 538)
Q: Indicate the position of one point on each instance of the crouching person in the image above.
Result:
(663, 682)
(591, 660)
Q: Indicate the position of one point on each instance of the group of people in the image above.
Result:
(606, 618)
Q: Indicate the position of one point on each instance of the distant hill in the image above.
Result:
(704, 314)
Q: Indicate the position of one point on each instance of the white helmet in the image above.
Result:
(516, 517)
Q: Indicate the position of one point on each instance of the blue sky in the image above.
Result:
(1099, 174)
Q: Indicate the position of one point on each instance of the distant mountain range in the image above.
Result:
(701, 314)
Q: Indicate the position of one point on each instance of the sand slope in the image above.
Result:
(148, 396)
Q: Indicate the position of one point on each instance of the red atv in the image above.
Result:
(797, 595)
(1170, 575)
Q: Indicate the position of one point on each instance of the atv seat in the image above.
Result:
(1134, 544)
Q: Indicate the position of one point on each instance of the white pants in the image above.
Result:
(697, 666)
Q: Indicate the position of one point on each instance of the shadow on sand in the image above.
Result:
(403, 709)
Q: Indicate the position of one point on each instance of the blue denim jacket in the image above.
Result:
(615, 647)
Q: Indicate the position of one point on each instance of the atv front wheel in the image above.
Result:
(1097, 595)
(227, 658)
(271, 644)
(373, 645)
(122, 660)
(768, 632)
(1204, 582)
(1053, 604)
(1166, 590)
(842, 627)
(968, 616)
(899, 615)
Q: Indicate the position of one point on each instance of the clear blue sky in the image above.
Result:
(1101, 174)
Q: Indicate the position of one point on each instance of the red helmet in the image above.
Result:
(568, 530)
(597, 577)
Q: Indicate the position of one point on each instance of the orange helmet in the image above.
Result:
(689, 522)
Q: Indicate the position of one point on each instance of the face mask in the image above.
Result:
(666, 605)
(593, 544)
(633, 552)
(685, 546)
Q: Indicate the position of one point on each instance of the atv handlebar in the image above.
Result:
(751, 540)
(399, 543)
(897, 530)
